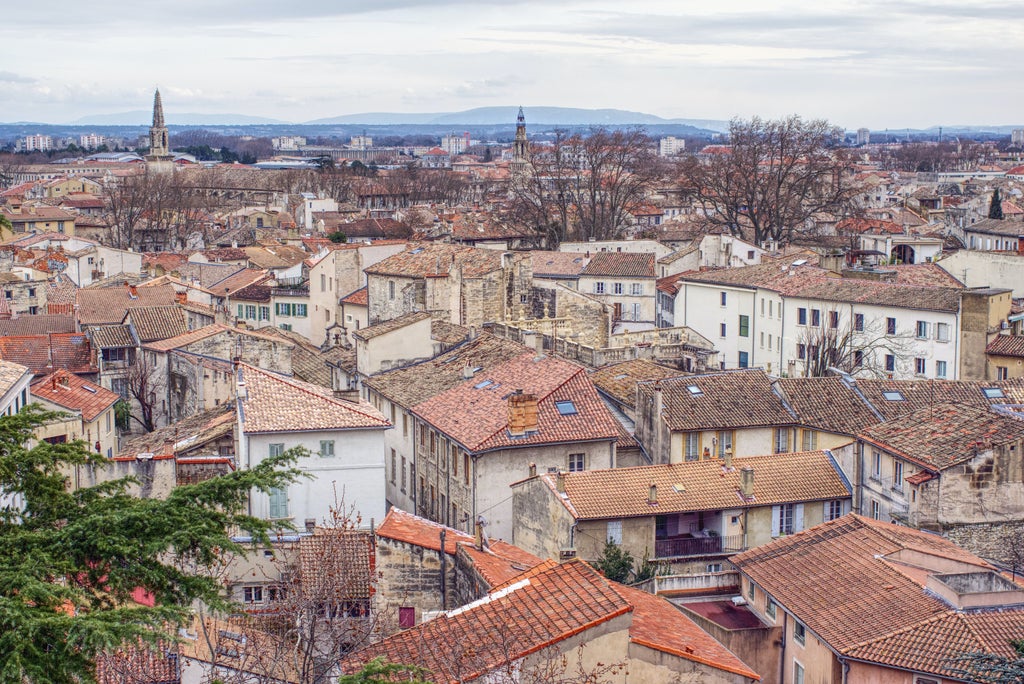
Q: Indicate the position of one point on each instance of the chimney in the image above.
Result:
(311, 525)
(522, 414)
(63, 380)
(560, 482)
(181, 297)
(652, 494)
(351, 395)
(467, 372)
(728, 459)
(533, 470)
(747, 482)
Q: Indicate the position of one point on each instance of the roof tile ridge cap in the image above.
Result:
(337, 402)
(902, 630)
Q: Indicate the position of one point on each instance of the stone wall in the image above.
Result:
(1000, 542)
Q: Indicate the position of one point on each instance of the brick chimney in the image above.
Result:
(522, 414)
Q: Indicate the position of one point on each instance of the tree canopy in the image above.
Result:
(73, 559)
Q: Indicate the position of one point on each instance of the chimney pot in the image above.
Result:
(652, 494)
(533, 470)
(747, 482)
(560, 482)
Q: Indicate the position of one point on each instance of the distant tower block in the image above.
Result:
(520, 151)
(1017, 137)
(159, 157)
(863, 136)
(670, 146)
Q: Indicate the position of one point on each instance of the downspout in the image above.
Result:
(782, 657)
(444, 573)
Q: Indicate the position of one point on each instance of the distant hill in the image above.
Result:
(548, 116)
(142, 117)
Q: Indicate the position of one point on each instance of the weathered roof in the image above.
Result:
(11, 374)
(944, 435)
(557, 264)
(108, 305)
(183, 435)
(1006, 345)
(619, 380)
(828, 404)
(278, 404)
(157, 322)
(620, 265)
(45, 353)
(109, 336)
(700, 485)
(718, 401)
(390, 325)
(237, 280)
(38, 324)
(438, 260)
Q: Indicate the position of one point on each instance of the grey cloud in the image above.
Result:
(11, 77)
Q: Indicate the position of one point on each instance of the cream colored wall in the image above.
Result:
(650, 666)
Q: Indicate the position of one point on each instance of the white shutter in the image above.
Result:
(776, 510)
(825, 510)
(798, 517)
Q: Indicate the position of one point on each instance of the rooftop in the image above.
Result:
(72, 392)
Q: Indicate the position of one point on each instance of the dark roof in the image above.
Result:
(38, 324)
(153, 323)
(621, 265)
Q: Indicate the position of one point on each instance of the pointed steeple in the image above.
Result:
(519, 119)
(520, 146)
(158, 110)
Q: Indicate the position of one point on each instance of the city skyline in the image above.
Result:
(867, 64)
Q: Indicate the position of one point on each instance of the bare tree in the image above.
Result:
(773, 179)
(147, 389)
(853, 345)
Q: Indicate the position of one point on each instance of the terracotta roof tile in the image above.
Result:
(828, 404)
(557, 264)
(72, 392)
(237, 280)
(38, 324)
(621, 265)
(45, 353)
(337, 562)
(700, 485)
(183, 435)
(1006, 345)
(931, 275)
(475, 412)
(437, 260)
(153, 323)
(729, 399)
(944, 435)
(359, 297)
(278, 404)
(390, 325)
(619, 380)
(109, 336)
(108, 305)
(10, 374)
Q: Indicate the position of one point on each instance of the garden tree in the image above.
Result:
(995, 207)
(145, 387)
(990, 668)
(74, 559)
(582, 186)
(615, 562)
(775, 177)
(379, 671)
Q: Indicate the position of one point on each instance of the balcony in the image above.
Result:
(690, 545)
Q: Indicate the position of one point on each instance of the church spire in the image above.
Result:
(158, 110)
(520, 151)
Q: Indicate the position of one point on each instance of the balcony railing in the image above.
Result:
(676, 547)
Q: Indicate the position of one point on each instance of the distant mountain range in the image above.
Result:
(481, 116)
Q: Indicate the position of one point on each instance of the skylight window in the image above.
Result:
(485, 383)
(893, 395)
(620, 376)
(993, 393)
(566, 407)
(416, 251)
(694, 390)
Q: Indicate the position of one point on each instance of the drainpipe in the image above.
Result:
(444, 573)
(782, 657)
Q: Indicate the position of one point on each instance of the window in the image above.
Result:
(801, 316)
(890, 326)
(323, 282)
(724, 297)
(940, 369)
(815, 317)
(391, 289)
(252, 594)
(465, 468)
(890, 362)
(922, 330)
(275, 449)
(770, 309)
(744, 326)
(394, 466)
(858, 358)
(769, 607)
(892, 395)
(919, 366)
(993, 392)
(615, 531)
(326, 448)
(799, 633)
(833, 510)
(858, 322)
(282, 309)
(278, 503)
(577, 462)
(897, 475)
(833, 319)
(598, 288)
(875, 512)
(714, 567)
(744, 360)
(801, 351)
(455, 460)
(264, 313)
(781, 440)
(406, 617)
(876, 464)
(299, 310)
(403, 474)
(942, 332)
(808, 440)
(241, 311)
(691, 446)
(762, 306)
(782, 520)
(762, 340)
(617, 288)
(724, 442)
(1002, 373)
(566, 407)
(750, 591)
(250, 311)
(636, 289)
(722, 330)
(798, 672)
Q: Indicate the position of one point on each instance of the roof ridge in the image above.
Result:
(352, 406)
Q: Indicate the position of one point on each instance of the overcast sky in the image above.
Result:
(882, 64)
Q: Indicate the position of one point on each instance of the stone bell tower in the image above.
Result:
(159, 157)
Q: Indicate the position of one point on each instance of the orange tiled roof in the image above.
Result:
(475, 412)
(619, 380)
(620, 265)
(44, 353)
(72, 392)
(359, 297)
(157, 322)
(828, 404)
(108, 305)
(438, 260)
(278, 404)
(557, 264)
(700, 486)
(1006, 345)
(832, 576)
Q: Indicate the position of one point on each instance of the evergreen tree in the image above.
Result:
(70, 561)
(995, 207)
(615, 562)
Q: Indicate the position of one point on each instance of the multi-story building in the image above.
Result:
(626, 282)
(670, 146)
(32, 143)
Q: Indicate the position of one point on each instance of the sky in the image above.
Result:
(880, 64)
